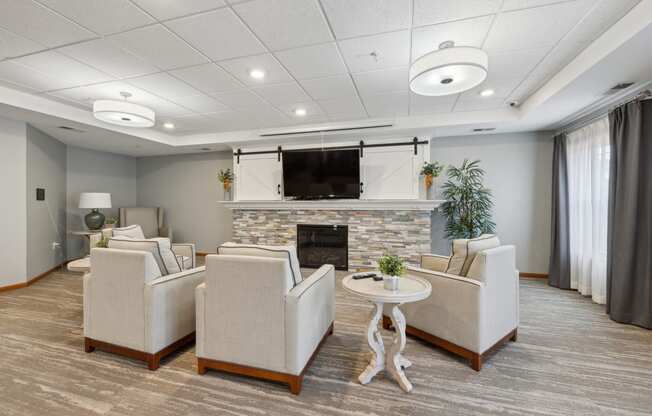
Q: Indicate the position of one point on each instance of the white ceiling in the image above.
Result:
(189, 60)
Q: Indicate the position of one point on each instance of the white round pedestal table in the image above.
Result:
(411, 289)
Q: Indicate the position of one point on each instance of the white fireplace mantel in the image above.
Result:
(338, 204)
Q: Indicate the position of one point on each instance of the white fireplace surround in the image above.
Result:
(338, 204)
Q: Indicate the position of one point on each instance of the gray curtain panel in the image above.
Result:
(629, 258)
(559, 269)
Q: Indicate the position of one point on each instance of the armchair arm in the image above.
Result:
(170, 308)
(165, 231)
(186, 250)
(200, 309)
(309, 313)
(434, 262)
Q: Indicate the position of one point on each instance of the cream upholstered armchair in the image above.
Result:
(256, 316)
(474, 306)
(137, 303)
(149, 219)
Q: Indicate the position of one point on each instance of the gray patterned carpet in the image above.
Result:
(570, 360)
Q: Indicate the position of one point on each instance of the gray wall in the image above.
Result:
(92, 171)
(187, 187)
(13, 222)
(46, 220)
(518, 172)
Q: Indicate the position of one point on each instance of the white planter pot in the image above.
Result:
(390, 282)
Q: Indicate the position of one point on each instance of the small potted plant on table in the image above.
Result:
(110, 222)
(392, 267)
(226, 178)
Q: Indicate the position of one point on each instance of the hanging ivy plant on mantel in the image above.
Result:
(468, 205)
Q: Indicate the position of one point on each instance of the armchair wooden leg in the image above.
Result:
(295, 384)
(476, 362)
(514, 335)
(153, 361)
(88, 347)
(201, 366)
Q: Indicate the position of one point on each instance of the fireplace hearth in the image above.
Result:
(323, 244)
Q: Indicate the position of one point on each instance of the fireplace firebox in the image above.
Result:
(323, 244)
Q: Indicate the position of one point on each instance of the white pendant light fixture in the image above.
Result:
(124, 113)
(449, 70)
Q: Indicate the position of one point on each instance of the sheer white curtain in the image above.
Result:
(588, 154)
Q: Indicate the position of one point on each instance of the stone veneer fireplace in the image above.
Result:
(371, 232)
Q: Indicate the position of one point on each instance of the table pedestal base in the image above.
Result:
(392, 358)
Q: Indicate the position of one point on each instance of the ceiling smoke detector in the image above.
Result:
(448, 70)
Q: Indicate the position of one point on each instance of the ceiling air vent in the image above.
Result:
(484, 129)
(619, 87)
(71, 129)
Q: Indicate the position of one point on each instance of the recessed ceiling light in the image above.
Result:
(257, 74)
(168, 125)
(448, 70)
(487, 93)
(300, 112)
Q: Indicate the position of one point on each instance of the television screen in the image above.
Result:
(321, 174)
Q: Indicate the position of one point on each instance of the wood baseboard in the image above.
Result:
(32, 280)
(534, 275)
(474, 358)
(293, 381)
(153, 360)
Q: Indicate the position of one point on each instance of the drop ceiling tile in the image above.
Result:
(218, 34)
(29, 78)
(427, 12)
(342, 105)
(471, 32)
(109, 57)
(240, 67)
(159, 46)
(479, 104)
(169, 9)
(282, 93)
(33, 21)
(208, 78)
(240, 100)
(420, 104)
(366, 17)
(313, 61)
(513, 30)
(337, 86)
(600, 18)
(233, 120)
(12, 45)
(61, 67)
(382, 51)
(525, 4)
(515, 64)
(200, 103)
(163, 85)
(387, 105)
(381, 81)
(268, 117)
(284, 24)
(502, 88)
(101, 16)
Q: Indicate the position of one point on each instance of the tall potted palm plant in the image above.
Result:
(468, 205)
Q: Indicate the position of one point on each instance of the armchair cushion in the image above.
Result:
(279, 252)
(159, 247)
(464, 251)
(132, 231)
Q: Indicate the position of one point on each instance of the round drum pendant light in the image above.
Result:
(449, 70)
(124, 113)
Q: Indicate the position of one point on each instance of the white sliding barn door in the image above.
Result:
(259, 178)
(391, 172)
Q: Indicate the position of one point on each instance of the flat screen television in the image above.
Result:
(321, 174)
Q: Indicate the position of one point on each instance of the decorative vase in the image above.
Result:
(428, 181)
(227, 190)
(94, 220)
(390, 282)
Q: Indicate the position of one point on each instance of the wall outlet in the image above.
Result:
(56, 245)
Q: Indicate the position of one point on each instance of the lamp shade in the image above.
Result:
(93, 200)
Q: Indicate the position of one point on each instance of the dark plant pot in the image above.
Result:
(94, 220)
